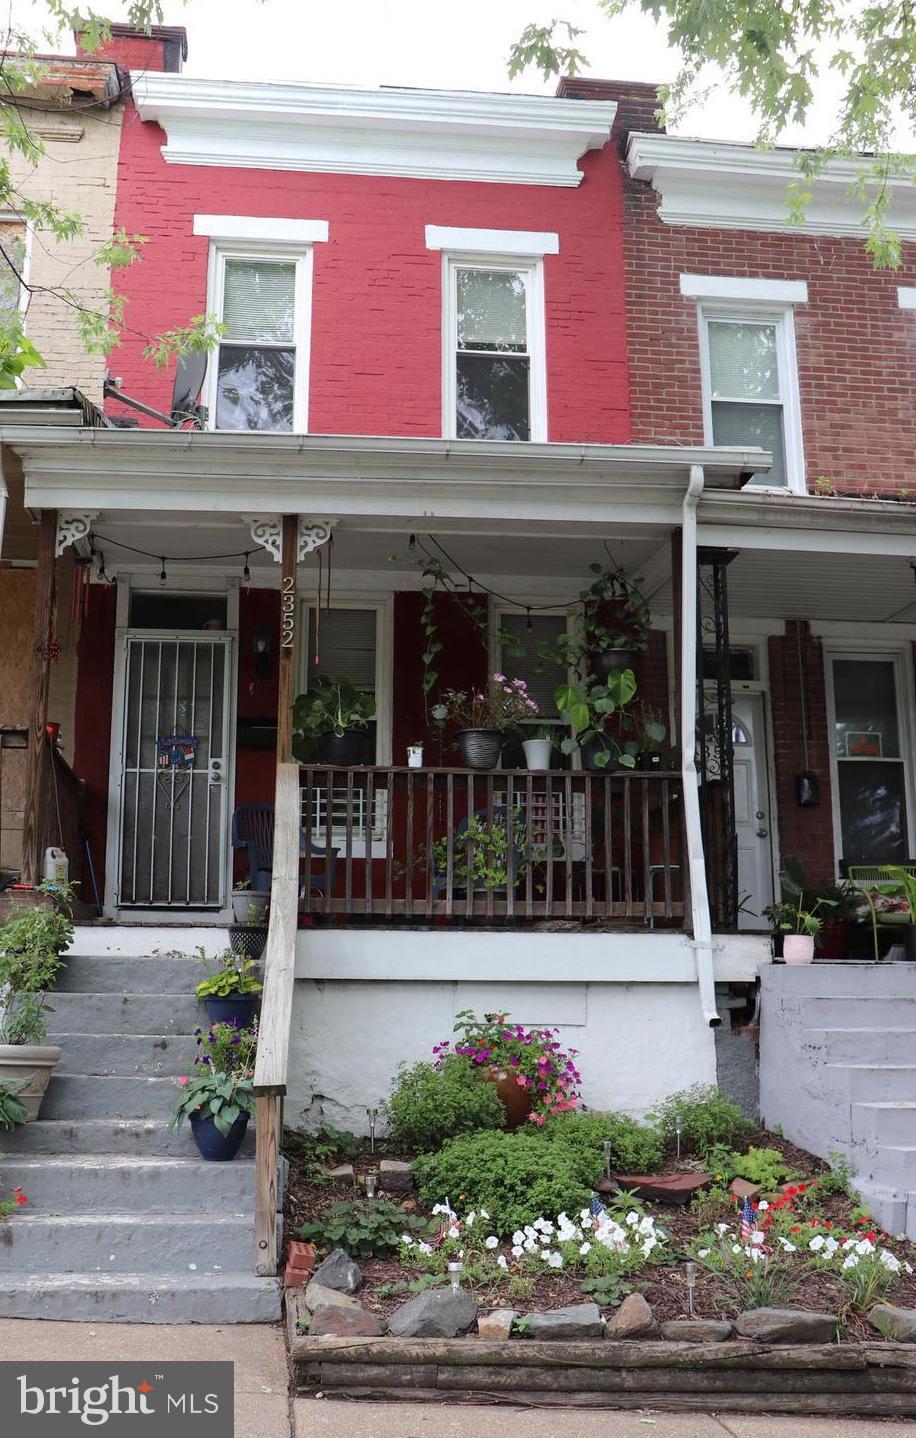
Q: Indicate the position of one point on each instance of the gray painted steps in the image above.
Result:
(147, 1055)
(84, 973)
(128, 1243)
(128, 1184)
(109, 1013)
(862, 1045)
(884, 1122)
(849, 978)
(145, 1137)
(89, 1096)
(167, 1297)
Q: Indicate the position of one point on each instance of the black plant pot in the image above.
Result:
(214, 1146)
(611, 661)
(909, 943)
(248, 940)
(479, 748)
(590, 751)
(233, 1009)
(343, 750)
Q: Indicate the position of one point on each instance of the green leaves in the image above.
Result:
(537, 46)
(364, 1228)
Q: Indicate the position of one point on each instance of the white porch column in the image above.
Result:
(696, 864)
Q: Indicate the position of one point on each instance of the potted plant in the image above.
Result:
(615, 621)
(538, 746)
(415, 755)
(249, 906)
(534, 1077)
(651, 732)
(799, 926)
(219, 1099)
(485, 856)
(12, 1109)
(834, 903)
(483, 716)
(906, 889)
(232, 994)
(331, 722)
(586, 706)
(31, 943)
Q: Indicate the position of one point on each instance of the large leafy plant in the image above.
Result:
(485, 855)
(634, 1147)
(235, 975)
(224, 1097)
(31, 943)
(587, 705)
(331, 706)
(705, 1118)
(431, 1103)
(365, 1228)
(516, 1177)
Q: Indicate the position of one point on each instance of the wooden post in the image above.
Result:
(267, 1159)
(36, 758)
(288, 570)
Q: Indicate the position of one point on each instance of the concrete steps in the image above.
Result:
(125, 1221)
(838, 1073)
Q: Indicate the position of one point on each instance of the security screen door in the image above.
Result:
(174, 748)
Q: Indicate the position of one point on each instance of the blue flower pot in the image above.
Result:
(214, 1146)
(235, 1009)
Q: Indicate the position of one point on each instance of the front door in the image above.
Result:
(173, 819)
(753, 823)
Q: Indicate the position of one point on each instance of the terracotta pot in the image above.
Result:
(30, 1064)
(798, 948)
(515, 1099)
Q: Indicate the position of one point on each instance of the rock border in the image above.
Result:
(873, 1380)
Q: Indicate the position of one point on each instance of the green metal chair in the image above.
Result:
(871, 877)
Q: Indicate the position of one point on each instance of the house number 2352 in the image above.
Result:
(287, 611)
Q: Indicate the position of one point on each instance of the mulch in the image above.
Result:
(664, 1287)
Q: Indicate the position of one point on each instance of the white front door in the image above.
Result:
(753, 820)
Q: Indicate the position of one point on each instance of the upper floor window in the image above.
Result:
(12, 268)
(261, 358)
(495, 360)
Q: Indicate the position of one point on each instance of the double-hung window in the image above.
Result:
(493, 351)
(261, 361)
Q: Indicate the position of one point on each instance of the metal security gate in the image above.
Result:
(173, 798)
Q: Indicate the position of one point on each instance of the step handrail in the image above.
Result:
(276, 1009)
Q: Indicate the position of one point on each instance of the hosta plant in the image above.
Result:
(366, 1229)
(224, 1097)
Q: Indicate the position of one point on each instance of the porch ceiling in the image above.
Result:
(793, 585)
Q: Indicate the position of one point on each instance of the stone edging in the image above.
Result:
(875, 1379)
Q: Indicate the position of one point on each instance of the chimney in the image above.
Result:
(162, 47)
(637, 102)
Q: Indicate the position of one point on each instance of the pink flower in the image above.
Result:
(183, 1082)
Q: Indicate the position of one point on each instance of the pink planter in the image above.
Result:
(798, 948)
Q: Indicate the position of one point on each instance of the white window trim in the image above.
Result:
(533, 269)
(532, 243)
(241, 229)
(499, 612)
(727, 287)
(878, 648)
(906, 297)
(302, 321)
(783, 318)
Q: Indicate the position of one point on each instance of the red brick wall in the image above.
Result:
(376, 353)
(856, 348)
(804, 832)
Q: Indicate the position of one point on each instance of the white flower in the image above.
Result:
(736, 1248)
(440, 1208)
(889, 1260)
(554, 1259)
(585, 1248)
(908, 1267)
(757, 1237)
(817, 1243)
(787, 1246)
(585, 1216)
(762, 1206)
(426, 1248)
(703, 1253)
(863, 1247)
(587, 1220)
(721, 1228)
(530, 1231)
(517, 1250)
(831, 1246)
(646, 1225)
(454, 1232)
(492, 1241)
(502, 1261)
(518, 1237)
(648, 1246)
(469, 1221)
(407, 1240)
(632, 1218)
(483, 1213)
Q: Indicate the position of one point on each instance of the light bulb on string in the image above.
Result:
(162, 574)
(246, 572)
(528, 624)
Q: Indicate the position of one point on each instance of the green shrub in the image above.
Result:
(635, 1147)
(516, 1177)
(763, 1166)
(431, 1104)
(707, 1118)
(365, 1229)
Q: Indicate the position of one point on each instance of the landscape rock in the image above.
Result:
(395, 1176)
(498, 1324)
(675, 1188)
(891, 1322)
(577, 1320)
(786, 1325)
(743, 1188)
(339, 1271)
(440, 1313)
(317, 1296)
(633, 1319)
(330, 1321)
(343, 1174)
(695, 1330)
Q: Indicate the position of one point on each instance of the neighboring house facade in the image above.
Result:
(74, 108)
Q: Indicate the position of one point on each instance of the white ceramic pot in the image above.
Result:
(249, 905)
(415, 756)
(537, 753)
(798, 948)
(31, 1064)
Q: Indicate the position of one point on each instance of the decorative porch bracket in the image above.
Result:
(716, 752)
(267, 531)
(72, 526)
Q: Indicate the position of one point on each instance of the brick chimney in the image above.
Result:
(162, 47)
(636, 101)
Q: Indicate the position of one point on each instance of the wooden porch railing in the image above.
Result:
(276, 1007)
(473, 845)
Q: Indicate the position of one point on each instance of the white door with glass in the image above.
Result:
(871, 757)
(173, 803)
(753, 824)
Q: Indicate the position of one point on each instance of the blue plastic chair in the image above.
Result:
(253, 830)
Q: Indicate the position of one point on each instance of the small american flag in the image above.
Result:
(597, 1206)
(748, 1220)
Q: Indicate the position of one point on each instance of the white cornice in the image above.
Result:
(239, 228)
(714, 185)
(418, 134)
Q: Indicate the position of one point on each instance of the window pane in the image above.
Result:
(492, 398)
(259, 300)
(742, 361)
(491, 310)
(254, 388)
(865, 700)
(346, 646)
(759, 424)
(12, 237)
(545, 630)
(872, 814)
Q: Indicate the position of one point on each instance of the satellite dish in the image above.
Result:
(189, 381)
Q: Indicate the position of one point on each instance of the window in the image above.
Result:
(495, 384)
(12, 265)
(259, 380)
(750, 387)
(542, 676)
(869, 746)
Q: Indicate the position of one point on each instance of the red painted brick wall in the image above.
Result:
(856, 348)
(804, 832)
(376, 353)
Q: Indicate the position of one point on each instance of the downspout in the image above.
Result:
(696, 865)
(4, 495)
